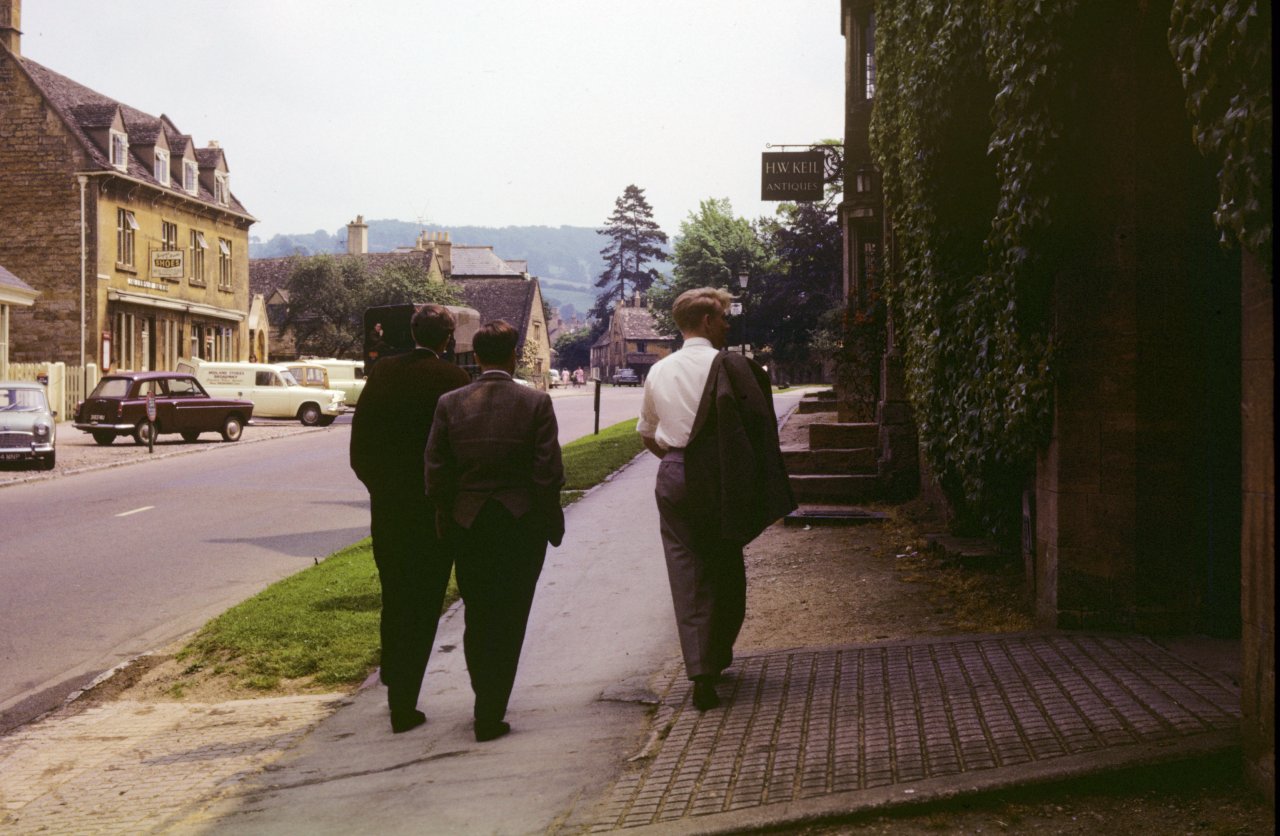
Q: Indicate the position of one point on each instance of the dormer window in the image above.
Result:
(161, 168)
(119, 150)
(222, 188)
(190, 177)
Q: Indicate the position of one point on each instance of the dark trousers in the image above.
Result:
(413, 569)
(499, 560)
(707, 575)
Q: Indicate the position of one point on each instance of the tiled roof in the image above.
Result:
(269, 274)
(84, 109)
(638, 324)
(478, 262)
(501, 299)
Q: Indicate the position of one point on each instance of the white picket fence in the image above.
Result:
(65, 385)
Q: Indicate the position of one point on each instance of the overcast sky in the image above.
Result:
(471, 112)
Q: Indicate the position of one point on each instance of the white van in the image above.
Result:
(347, 376)
(274, 391)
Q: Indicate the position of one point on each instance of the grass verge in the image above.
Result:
(319, 627)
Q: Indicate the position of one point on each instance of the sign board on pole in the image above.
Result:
(792, 175)
(166, 264)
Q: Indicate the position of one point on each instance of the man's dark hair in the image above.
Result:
(495, 342)
(432, 325)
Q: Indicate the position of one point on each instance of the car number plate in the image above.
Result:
(8, 457)
(93, 419)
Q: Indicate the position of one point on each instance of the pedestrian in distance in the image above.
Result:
(578, 377)
(388, 438)
(708, 414)
(494, 473)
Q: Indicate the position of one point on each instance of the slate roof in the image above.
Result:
(9, 280)
(480, 262)
(267, 275)
(83, 110)
(501, 299)
(638, 324)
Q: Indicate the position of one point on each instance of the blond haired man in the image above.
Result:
(709, 416)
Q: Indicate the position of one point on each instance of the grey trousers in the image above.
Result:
(707, 576)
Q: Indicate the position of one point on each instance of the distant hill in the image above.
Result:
(566, 259)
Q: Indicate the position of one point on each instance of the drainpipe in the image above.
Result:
(84, 371)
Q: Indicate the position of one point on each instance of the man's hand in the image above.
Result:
(651, 444)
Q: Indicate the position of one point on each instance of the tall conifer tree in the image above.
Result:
(635, 242)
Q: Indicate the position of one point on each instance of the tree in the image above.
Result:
(573, 349)
(328, 296)
(635, 242)
(713, 248)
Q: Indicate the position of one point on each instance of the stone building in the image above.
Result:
(1152, 506)
(495, 287)
(632, 341)
(161, 270)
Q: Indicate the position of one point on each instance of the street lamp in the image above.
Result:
(742, 283)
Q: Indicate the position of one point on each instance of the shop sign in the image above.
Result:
(166, 264)
(792, 175)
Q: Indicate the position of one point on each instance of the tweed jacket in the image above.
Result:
(734, 472)
(496, 439)
(393, 420)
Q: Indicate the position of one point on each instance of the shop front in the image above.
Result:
(146, 333)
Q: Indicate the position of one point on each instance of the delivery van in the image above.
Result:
(347, 376)
(274, 391)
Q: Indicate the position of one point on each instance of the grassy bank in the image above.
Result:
(318, 629)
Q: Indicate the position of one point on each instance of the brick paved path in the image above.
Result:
(810, 723)
(130, 767)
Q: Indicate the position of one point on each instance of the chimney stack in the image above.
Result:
(10, 21)
(358, 236)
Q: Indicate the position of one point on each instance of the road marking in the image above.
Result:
(136, 510)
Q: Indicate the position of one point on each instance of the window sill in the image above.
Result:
(126, 268)
(197, 283)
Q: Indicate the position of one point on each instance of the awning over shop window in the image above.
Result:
(175, 305)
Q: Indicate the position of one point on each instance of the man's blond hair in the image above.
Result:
(692, 305)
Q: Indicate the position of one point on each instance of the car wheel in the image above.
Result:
(190, 435)
(309, 414)
(142, 433)
(232, 428)
(326, 420)
(104, 438)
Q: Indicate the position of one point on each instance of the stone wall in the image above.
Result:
(1136, 502)
(39, 221)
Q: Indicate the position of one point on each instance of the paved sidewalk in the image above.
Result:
(811, 733)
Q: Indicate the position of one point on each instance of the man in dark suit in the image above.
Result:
(388, 436)
(493, 471)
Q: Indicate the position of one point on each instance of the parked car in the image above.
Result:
(118, 406)
(347, 376)
(309, 374)
(27, 426)
(275, 392)
(626, 377)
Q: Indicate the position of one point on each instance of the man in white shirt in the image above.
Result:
(709, 416)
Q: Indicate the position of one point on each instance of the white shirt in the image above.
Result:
(672, 392)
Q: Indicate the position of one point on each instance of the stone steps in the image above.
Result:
(860, 462)
(832, 488)
(838, 436)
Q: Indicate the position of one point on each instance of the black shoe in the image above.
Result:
(403, 721)
(491, 731)
(704, 693)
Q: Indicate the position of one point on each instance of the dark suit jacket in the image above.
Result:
(393, 419)
(734, 472)
(496, 439)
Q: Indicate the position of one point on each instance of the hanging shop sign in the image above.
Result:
(166, 264)
(792, 175)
